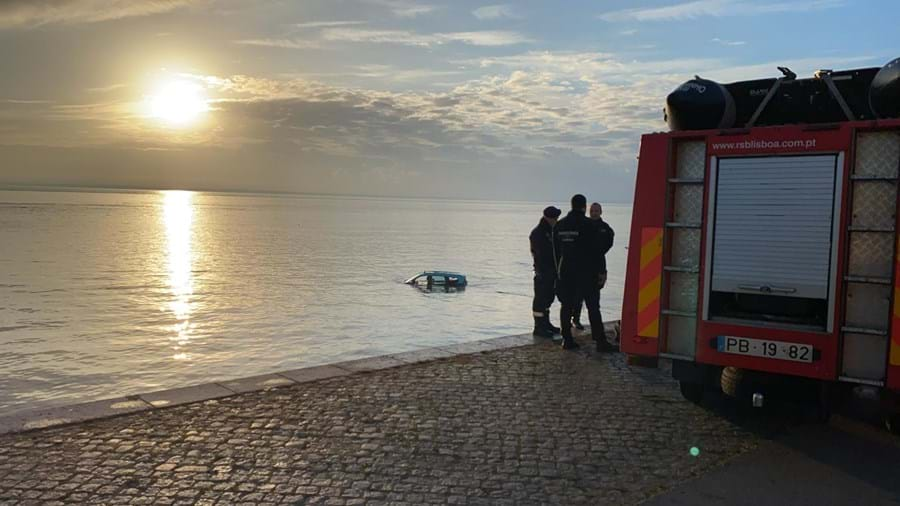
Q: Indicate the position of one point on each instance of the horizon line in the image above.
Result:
(131, 189)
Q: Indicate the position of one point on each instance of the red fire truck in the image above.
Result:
(764, 238)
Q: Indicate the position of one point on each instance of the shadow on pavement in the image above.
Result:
(800, 462)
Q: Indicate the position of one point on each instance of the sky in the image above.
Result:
(524, 100)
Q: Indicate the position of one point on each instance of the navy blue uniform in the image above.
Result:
(581, 260)
(605, 238)
(543, 251)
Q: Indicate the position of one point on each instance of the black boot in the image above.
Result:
(549, 326)
(540, 330)
(569, 344)
(599, 336)
(576, 318)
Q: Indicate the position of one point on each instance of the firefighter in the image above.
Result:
(606, 241)
(581, 266)
(605, 237)
(543, 251)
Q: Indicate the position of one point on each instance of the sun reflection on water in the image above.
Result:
(178, 215)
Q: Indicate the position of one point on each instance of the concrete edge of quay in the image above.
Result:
(43, 418)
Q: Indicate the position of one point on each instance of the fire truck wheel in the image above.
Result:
(824, 406)
(731, 379)
(691, 391)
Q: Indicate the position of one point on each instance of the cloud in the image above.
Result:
(280, 43)
(328, 24)
(804, 67)
(25, 102)
(486, 38)
(396, 74)
(628, 32)
(538, 105)
(593, 105)
(405, 8)
(407, 38)
(402, 37)
(602, 65)
(728, 42)
(31, 13)
(107, 89)
(577, 115)
(495, 12)
(470, 140)
(717, 8)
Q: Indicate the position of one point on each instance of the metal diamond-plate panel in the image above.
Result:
(685, 247)
(871, 254)
(877, 154)
(688, 203)
(874, 204)
(868, 306)
(681, 335)
(864, 356)
(683, 291)
(691, 160)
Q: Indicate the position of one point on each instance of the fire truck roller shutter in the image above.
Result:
(772, 239)
(884, 93)
(700, 104)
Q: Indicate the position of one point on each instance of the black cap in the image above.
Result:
(551, 212)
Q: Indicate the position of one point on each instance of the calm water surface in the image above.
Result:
(108, 294)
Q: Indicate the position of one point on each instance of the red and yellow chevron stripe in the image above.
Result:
(650, 282)
(895, 325)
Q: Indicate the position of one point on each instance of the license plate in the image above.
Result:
(765, 349)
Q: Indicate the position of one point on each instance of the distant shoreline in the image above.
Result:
(144, 191)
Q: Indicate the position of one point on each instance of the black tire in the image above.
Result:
(824, 406)
(731, 380)
(693, 392)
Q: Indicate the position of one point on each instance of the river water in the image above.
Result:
(105, 294)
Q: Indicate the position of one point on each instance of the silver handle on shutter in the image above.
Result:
(767, 289)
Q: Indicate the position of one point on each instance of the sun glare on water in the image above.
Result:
(177, 103)
(178, 217)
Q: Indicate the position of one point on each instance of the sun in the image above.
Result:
(177, 103)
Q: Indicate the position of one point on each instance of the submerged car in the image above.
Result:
(444, 279)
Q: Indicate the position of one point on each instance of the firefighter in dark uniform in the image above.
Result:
(606, 241)
(543, 251)
(605, 237)
(581, 266)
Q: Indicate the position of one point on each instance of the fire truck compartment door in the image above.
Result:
(774, 220)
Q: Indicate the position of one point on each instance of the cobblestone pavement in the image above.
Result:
(526, 425)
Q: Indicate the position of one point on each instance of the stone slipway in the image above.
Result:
(492, 423)
(487, 423)
(94, 410)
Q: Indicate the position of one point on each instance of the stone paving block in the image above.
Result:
(371, 364)
(49, 417)
(424, 355)
(186, 395)
(256, 383)
(314, 373)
